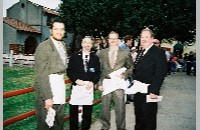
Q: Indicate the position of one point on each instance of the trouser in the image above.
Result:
(41, 113)
(86, 117)
(189, 65)
(145, 113)
(119, 106)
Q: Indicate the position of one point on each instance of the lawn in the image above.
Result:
(15, 78)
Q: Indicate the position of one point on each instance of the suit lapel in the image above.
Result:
(56, 54)
(118, 56)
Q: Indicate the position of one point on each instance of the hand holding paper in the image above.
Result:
(110, 85)
(50, 118)
(82, 95)
(137, 87)
(158, 99)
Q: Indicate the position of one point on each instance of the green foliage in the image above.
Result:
(168, 19)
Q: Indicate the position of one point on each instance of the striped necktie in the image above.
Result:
(86, 63)
(138, 57)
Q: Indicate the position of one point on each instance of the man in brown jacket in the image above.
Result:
(111, 60)
(50, 67)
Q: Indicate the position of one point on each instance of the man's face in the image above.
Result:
(86, 47)
(146, 39)
(129, 42)
(113, 40)
(58, 31)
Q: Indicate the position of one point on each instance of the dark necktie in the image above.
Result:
(140, 54)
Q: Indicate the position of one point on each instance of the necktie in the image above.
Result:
(86, 63)
(112, 58)
(138, 57)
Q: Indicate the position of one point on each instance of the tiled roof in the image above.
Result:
(50, 11)
(47, 10)
(19, 25)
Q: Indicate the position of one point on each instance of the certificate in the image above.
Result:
(57, 85)
(110, 85)
(81, 96)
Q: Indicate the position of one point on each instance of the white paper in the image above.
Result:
(50, 118)
(137, 87)
(116, 74)
(81, 96)
(57, 85)
(110, 85)
(158, 99)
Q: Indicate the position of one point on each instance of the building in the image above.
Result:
(177, 48)
(26, 25)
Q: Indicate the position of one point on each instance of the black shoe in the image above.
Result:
(130, 100)
(127, 102)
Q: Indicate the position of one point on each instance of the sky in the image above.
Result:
(47, 3)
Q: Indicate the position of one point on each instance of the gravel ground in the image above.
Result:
(177, 111)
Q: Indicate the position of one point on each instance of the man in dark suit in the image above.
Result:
(113, 59)
(84, 72)
(51, 64)
(151, 69)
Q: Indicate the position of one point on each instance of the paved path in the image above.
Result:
(177, 111)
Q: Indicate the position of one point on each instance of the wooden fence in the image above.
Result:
(30, 113)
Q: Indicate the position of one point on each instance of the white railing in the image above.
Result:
(18, 59)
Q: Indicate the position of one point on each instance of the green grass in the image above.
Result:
(15, 78)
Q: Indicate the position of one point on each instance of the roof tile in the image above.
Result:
(19, 25)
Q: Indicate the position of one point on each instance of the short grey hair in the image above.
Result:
(87, 40)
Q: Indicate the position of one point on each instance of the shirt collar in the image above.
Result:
(55, 42)
(148, 48)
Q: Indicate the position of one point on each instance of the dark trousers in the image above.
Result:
(168, 67)
(145, 113)
(41, 113)
(86, 117)
(189, 65)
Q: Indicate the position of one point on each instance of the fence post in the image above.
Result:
(11, 58)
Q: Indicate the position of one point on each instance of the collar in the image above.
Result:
(84, 55)
(55, 42)
(147, 49)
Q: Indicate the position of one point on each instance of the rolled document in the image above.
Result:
(137, 87)
(158, 99)
(50, 118)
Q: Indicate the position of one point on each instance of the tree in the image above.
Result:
(168, 19)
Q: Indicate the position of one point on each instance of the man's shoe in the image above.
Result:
(130, 100)
(127, 102)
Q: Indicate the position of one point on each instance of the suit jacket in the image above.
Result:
(124, 59)
(152, 69)
(76, 70)
(47, 61)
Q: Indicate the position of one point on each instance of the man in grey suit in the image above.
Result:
(110, 62)
(50, 67)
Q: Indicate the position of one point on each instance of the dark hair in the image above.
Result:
(128, 37)
(55, 21)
